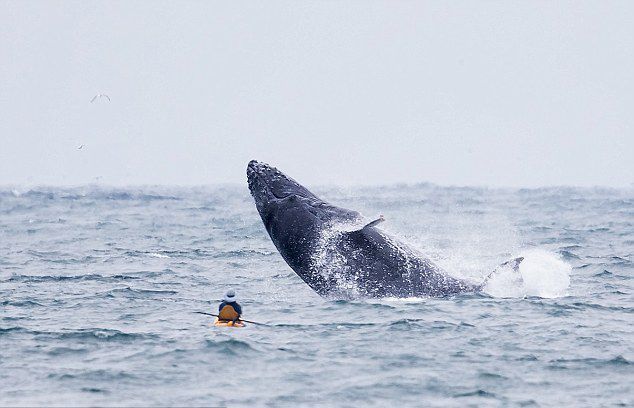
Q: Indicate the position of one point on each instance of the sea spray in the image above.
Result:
(540, 274)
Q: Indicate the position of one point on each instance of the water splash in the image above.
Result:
(540, 274)
(331, 264)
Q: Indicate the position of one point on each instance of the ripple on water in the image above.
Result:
(140, 293)
(93, 334)
(580, 363)
(106, 376)
(61, 351)
(230, 347)
(476, 393)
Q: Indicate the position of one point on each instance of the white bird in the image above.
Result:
(94, 98)
(80, 147)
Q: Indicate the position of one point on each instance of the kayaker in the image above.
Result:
(229, 310)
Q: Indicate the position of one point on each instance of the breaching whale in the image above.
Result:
(335, 252)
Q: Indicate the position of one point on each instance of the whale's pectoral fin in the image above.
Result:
(375, 222)
(365, 236)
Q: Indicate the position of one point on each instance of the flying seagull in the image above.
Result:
(80, 147)
(94, 98)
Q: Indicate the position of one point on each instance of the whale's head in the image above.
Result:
(268, 183)
(285, 205)
(272, 189)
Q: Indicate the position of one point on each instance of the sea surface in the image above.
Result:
(99, 289)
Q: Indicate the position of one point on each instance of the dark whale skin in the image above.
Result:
(340, 263)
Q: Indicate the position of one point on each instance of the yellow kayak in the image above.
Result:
(224, 323)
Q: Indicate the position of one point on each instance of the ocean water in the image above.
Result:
(99, 289)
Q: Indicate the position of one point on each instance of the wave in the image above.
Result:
(102, 376)
(597, 362)
(476, 393)
(88, 193)
(157, 255)
(587, 305)
(242, 253)
(62, 351)
(130, 292)
(191, 254)
(231, 347)
(568, 255)
(70, 278)
(21, 303)
(8, 330)
(99, 334)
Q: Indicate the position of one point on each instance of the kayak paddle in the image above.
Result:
(246, 321)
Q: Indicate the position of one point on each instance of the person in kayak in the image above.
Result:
(229, 310)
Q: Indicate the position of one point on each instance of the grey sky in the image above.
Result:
(463, 92)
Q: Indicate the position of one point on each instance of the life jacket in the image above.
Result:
(228, 313)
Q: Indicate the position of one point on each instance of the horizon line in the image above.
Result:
(32, 186)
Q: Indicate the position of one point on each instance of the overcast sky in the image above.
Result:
(495, 93)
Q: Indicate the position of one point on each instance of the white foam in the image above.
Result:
(395, 300)
(155, 255)
(541, 274)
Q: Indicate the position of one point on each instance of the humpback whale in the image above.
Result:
(338, 254)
